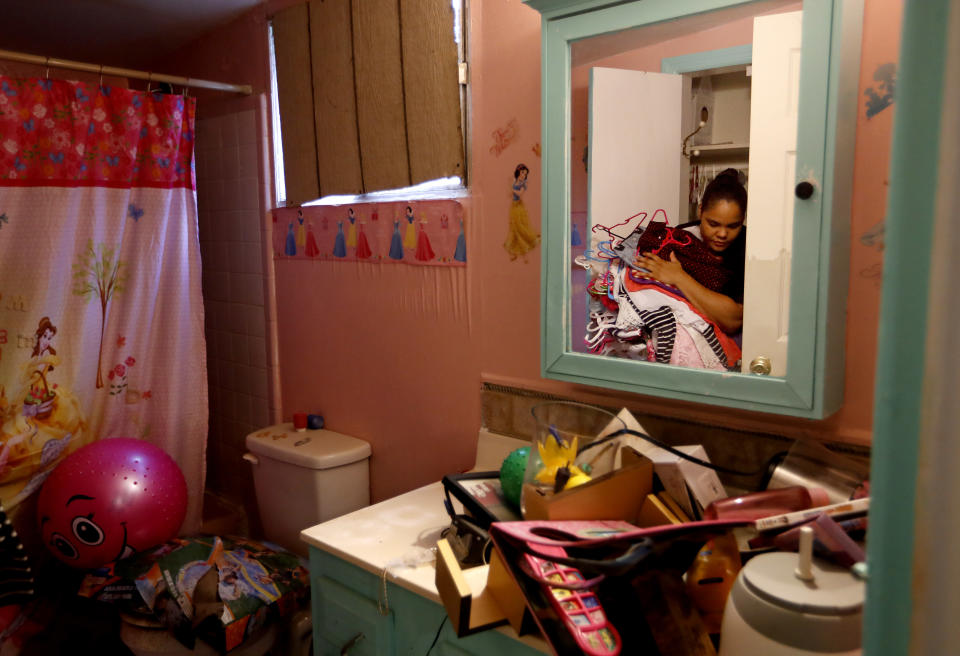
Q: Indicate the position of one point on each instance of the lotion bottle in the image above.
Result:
(767, 502)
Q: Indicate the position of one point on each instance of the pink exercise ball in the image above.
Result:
(110, 499)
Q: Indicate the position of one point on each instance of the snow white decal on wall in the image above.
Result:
(521, 239)
(882, 97)
(415, 232)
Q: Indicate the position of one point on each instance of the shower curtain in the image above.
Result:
(101, 315)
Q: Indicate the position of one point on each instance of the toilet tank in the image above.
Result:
(306, 477)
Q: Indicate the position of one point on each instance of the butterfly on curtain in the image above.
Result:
(17, 164)
(81, 96)
(7, 89)
(112, 160)
(45, 84)
(56, 158)
(28, 125)
(163, 162)
(134, 212)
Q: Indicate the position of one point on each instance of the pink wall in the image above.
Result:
(396, 354)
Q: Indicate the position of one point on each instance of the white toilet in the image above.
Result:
(304, 478)
(301, 478)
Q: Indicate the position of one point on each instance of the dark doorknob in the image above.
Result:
(804, 190)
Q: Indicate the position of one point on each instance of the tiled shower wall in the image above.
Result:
(231, 246)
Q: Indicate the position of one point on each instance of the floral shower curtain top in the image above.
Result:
(101, 317)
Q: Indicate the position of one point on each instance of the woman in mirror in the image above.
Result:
(720, 228)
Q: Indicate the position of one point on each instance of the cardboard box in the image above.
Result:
(617, 495)
(469, 604)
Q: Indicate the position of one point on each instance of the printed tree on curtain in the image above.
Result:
(98, 272)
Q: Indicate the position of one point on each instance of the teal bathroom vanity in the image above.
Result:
(372, 579)
(609, 176)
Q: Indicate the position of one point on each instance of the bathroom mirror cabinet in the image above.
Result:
(643, 101)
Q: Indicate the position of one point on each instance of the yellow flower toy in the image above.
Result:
(558, 468)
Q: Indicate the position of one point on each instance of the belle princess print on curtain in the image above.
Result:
(413, 232)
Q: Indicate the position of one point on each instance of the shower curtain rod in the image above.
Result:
(245, 89)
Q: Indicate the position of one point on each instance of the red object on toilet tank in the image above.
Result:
(110, 499)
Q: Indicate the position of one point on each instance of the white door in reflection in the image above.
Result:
(634, 168)
(770, 189)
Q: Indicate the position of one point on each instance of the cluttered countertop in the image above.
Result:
(399, 535)
(396, 539)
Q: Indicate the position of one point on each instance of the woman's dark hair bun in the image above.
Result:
(725, 186)
(729, 174)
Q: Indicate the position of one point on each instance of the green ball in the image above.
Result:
(511, 475)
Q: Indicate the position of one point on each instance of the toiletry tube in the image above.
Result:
(837, 510)
(832, 542)
(772, 538)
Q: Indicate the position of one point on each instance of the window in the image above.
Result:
(370, 98)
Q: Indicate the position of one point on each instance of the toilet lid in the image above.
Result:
(315, 449)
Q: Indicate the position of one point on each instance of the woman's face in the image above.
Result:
(523, 175)
(720, 223)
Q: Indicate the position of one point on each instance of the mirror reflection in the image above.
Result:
(674, 126)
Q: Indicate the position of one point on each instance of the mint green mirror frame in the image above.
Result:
(813, 386)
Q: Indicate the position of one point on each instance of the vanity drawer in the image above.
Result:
(340, 615)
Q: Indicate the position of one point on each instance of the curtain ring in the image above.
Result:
(186, 86)
(149, 81)
(46, 72)
(101, 75)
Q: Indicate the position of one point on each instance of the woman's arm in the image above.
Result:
(719, 308)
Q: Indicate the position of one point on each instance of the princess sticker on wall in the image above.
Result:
(363, 245)
(339, 242)
(424, 251)
(311, 249)
(445, 238)
(396, 242)
(521, 238)
(301, 231)
(882, 97)
(410, 236)
(352, 230)
(290, 248)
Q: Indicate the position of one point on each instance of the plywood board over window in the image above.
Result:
(385, 96)
(290, 28)
(433, 115)
(378, 74)
(335, 100)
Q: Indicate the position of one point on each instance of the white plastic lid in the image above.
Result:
(314, 449)
(833, 591)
